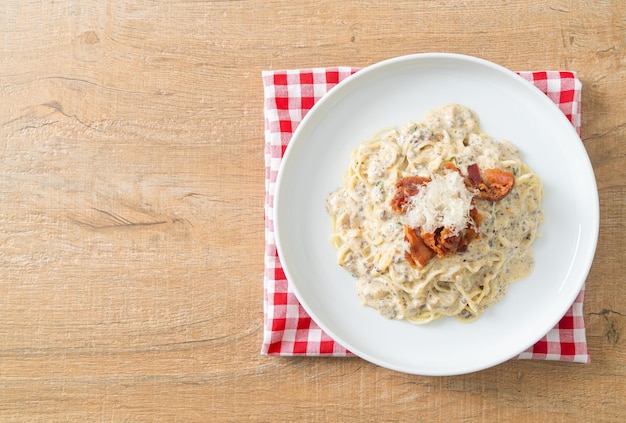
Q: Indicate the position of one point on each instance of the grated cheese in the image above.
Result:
(444, 202)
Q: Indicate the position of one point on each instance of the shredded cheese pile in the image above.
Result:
(445, 202)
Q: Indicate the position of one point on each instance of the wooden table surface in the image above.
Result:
(131, 208)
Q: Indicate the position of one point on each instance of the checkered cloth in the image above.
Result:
(288, 329)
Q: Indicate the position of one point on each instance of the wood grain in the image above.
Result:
(131, 208)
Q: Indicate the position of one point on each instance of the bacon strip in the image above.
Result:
(500, 182)
(405, 189)
(444, 242)
(425, 245)
(470, 233)
(418, 250)
(452, 166)
(473, 173)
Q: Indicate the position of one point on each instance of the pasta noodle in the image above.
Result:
(421, 185)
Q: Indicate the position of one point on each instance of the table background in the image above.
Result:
(131, 208)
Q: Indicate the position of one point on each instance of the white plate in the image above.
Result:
(389, 94)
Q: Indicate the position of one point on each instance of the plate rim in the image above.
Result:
(321, 103)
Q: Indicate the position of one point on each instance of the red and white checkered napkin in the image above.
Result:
(288, 329)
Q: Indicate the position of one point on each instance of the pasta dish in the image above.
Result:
(436, 218)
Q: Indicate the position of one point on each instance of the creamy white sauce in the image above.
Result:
(369, 236)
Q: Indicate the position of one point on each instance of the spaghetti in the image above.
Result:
(436, 218)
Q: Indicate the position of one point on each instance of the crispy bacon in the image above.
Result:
(418, 250)
(425, 245)
(452, 166)
(430, 239)
(405, 189)
(500, 183)
(473, 173)
(471, 233)
(443, 241)
(476, 217)
(449, 243)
